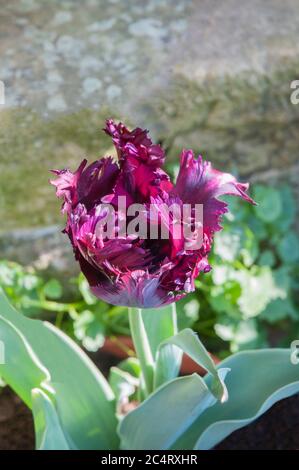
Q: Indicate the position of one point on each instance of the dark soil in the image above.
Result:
(16, 424)
(276, 430)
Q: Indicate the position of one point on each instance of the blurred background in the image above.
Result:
(210, 75)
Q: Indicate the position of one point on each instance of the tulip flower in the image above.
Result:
(140, 270)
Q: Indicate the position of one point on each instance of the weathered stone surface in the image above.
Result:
(55, 47)
(46, 249)
(76, 51)
(210, 75)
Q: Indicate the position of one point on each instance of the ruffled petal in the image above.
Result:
(199, 183)
(66, 185)
(132, 289)
(135, 143)
(97, 180)
(140, 162)
(87, 185)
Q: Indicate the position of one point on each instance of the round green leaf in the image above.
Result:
(53, 289)
(288, 248)
(269, 203)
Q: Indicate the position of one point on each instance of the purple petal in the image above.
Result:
(66, 185)
(199, 183)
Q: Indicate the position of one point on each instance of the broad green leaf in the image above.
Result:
(257, 226)
(288, 248)
(160, 420)
(288, 212)
(20, 366)
(190, 344)
(257, 380)
(269, 203)
(168, 363)
(278, 310)
(238, 211)
(37, 355)
(53, 289)
(267, 258)
(131, 366)
(48, 431)
(283, 279)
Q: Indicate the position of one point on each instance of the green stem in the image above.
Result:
(53, 306)
(142, 347)
(59, 319)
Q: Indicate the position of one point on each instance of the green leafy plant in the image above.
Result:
(74, 407)
(250, 298)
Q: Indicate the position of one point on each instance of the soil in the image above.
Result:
(276, 430)
(16, 423)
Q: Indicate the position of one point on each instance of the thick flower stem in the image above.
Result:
(142, 348)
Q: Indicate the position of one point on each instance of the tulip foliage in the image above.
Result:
(145, 404)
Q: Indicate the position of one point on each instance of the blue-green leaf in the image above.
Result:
(189, 342)
(48, 431)
(38, 355)
(288, 247)
(257, 380)
(52, 289)
(160, 420)
(269, 203)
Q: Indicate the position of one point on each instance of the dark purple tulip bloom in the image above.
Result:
(141, 271)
